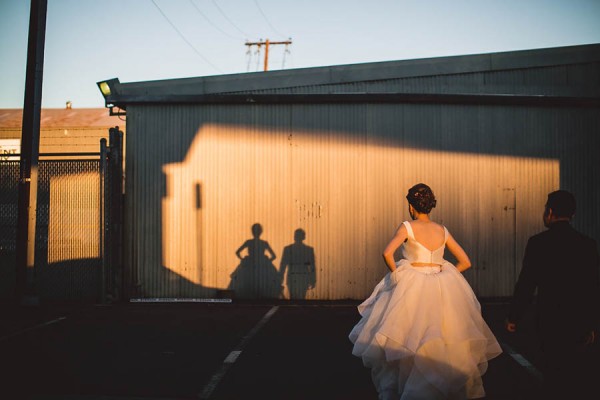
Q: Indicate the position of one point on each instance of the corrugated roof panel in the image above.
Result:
(341, 75)
(557, 80)
(61, 118)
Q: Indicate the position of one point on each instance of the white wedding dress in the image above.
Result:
(421, 331)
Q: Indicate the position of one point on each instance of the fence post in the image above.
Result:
(116, 211)
(103, 222)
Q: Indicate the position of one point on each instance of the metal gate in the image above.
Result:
(78, 224)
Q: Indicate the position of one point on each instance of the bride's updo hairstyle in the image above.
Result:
(421, 197)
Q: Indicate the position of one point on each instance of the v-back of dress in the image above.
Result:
(415, 252)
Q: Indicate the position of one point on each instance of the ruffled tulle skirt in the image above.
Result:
(423, 336)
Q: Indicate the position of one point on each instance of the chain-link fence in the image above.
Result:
(68, 254)
(9, 178)
(68, 229)
(78, 243)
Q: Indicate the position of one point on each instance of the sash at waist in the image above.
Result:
(428, 269)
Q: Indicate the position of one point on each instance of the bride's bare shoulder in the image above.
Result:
(439, 226)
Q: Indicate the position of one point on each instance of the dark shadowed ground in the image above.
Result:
(177, 351)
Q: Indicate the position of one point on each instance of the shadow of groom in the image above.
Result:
(298, 261)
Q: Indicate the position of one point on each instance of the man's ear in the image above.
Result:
(550, 212)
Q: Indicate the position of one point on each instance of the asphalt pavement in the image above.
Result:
(238, 350)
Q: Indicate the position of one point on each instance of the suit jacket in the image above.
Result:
(563, 265)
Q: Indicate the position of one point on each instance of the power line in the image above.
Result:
(249, 54)
(212, 23)
(285, 52)
(267, 19)
(227, 18)
(184, 39)
(257, 57)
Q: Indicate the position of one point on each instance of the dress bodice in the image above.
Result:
(415, 252)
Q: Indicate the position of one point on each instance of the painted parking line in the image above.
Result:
(233, 356)
(522, 361)
(178, 300)
(31, 328)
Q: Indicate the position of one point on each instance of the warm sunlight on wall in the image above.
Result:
(347, 194)
(74, 220)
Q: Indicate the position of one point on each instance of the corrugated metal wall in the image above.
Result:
(199, 177)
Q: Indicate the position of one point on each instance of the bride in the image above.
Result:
(421, 331)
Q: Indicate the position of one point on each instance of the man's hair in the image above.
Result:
(562, 203)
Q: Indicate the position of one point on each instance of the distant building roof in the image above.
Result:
(62, 118)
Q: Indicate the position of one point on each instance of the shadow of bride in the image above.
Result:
(299, 261)
(255, 276)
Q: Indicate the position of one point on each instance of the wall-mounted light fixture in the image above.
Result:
(108, 89)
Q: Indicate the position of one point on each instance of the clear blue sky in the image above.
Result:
(91, 40)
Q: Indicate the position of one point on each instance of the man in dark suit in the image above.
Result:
(563, 265)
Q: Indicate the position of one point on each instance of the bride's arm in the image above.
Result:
(388, 254)
(463, 259)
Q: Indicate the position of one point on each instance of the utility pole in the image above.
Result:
(30, 147)
(267, 43)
